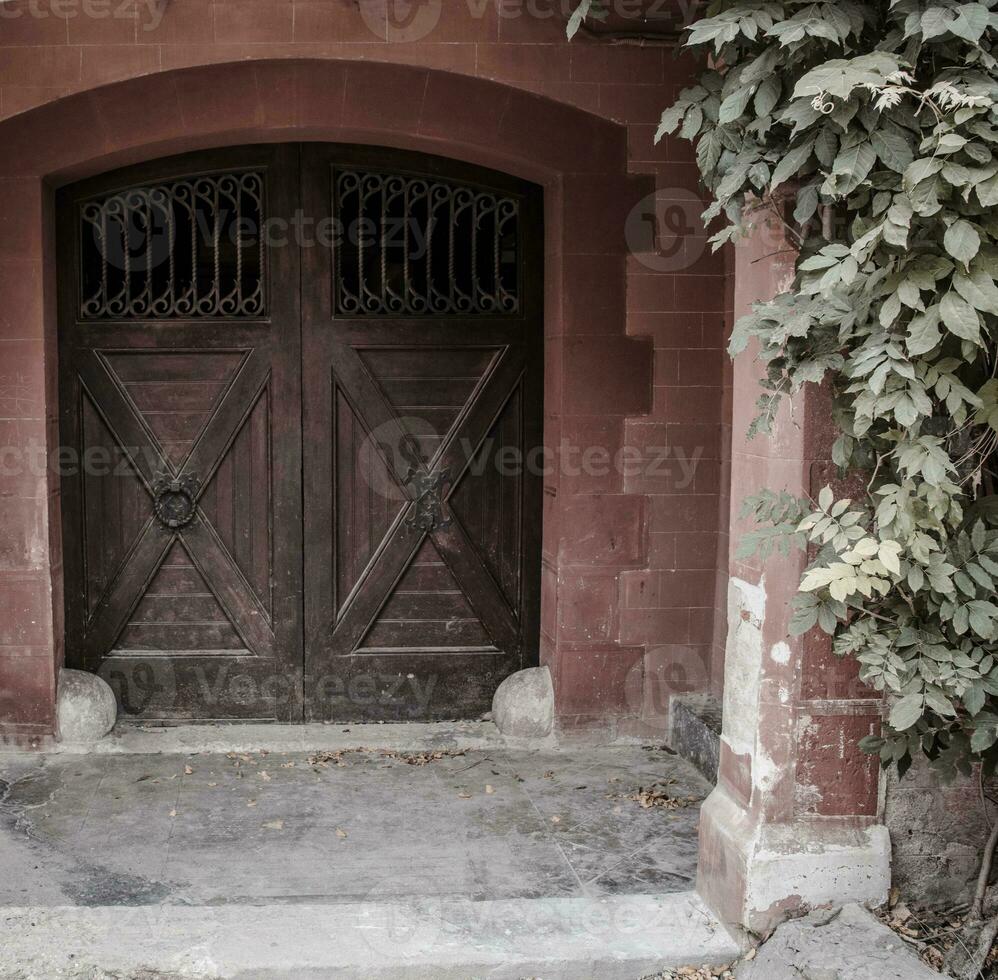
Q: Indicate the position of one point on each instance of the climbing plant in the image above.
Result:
(878, 122)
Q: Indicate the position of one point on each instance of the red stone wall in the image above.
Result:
(637, 308)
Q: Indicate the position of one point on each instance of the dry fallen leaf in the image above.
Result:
(423, 758)
(656, 795)
(341, 833)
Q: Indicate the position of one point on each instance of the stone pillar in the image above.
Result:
(793, 822)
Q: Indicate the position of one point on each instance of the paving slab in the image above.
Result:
(450, 836)
(844, 944)
(339, 825)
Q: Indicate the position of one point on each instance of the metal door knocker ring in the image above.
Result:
(175, 500)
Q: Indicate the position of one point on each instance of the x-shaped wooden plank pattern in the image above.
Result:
(210, 556)
(400, 544)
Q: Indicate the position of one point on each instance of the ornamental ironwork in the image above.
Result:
(418, 246)
(175, 500)
(428, 511)
(180, 249)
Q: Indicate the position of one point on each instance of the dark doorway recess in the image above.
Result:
(301, 414)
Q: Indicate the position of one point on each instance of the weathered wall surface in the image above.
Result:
(634, 564)
(938, 831)
(793, 822)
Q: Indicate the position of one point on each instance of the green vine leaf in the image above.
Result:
(906, 713)
(960, 317)
(962, 241)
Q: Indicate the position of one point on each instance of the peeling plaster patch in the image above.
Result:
(743, 664)
(751, 598)
(807, 797)
(780, 653)
(765, 772)
(785, 282)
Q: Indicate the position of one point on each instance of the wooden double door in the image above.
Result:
(300, 398)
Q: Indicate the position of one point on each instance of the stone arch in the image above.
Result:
(402, 106)
(580, 160)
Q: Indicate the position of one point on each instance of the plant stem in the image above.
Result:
(977, 907)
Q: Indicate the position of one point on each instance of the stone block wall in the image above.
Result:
(938, 832)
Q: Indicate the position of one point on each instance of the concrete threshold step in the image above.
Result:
(131, 739)
(469, 736)
(609, 938)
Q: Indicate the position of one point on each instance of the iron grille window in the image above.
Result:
(175, 250)
(416, 246)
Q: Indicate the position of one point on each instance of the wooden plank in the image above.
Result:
(413, 394)
(188, 367)
(426, 635)
(415, 606)
(175, 396)
(429, 361)
(179, 638)
(173, 609)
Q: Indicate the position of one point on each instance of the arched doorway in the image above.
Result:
(301, 383)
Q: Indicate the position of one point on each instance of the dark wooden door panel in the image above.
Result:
(192, 385)
(213, 569)
(421, 556)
